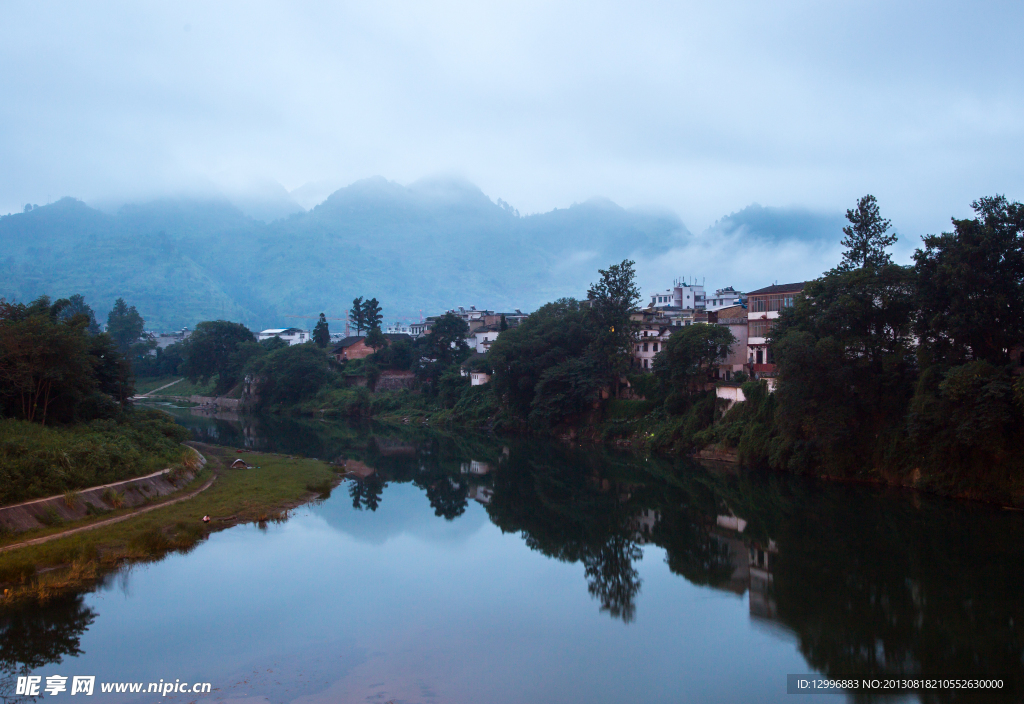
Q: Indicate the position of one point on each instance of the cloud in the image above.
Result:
(702, 108)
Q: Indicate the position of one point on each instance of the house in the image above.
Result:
(355, 347)
(651, 340)
(734, 318)
(682, 295)
(763, 308)
(725, 298)
(481, 338)
(293, 336)
(478, 378)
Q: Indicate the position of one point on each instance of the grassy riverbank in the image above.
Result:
(38, 461)
(263, 493)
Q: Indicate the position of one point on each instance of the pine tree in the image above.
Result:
(357, 315)
(866, 237)
(372, 317)
(322, 333)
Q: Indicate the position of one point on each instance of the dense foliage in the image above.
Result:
(53, 369)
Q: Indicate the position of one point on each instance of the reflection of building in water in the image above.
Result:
(762, 581)
(644, 524)
(482, 494)
(394, 448)
(474, 467)
(752, 564)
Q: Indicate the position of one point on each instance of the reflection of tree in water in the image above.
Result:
(448, 496)
(611, 578)
(32, 636)
(367, 492)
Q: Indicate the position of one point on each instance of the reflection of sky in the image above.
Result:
(340, 605)
(401, 513)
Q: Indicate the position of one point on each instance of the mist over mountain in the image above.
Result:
(429, 246)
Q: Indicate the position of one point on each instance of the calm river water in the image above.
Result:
(463, 568)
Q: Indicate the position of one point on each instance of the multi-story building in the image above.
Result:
(681, 295)
(763, 308)
(734, 318)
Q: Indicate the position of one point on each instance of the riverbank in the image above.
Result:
(266, 492)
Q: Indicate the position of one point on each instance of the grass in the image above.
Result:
(264, 493)
(145, 384)
(37, 461)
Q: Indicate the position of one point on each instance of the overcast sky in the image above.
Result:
(703, 108)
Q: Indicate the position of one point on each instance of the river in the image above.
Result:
(467, 568)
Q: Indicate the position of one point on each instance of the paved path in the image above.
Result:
(110, 521)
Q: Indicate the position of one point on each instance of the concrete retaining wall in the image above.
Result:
(135, 492)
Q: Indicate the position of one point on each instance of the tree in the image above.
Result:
(971, 287)
(446, 341)
(503, 325)
(322, 333)
(211, 350)
(612, 301)
(372, 317)
(866, 237)
(51, 368)
(375, 339)
(690, 358)
(124, 325)
(289, 375)
(357, 316)
(77, 306)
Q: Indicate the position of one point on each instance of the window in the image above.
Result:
(645, 347)
(760, 357)
(760, 328)
(655, 346)
(645, 364)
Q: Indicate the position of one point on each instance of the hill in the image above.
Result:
(431, 245)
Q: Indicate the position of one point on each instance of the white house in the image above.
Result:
(650, 341)
(481, 338)
(681, 295)
(293, 336)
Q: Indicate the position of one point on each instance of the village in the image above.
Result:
(749, 316)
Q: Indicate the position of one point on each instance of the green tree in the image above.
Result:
(289, 375)
(372, 317)
(689, 359)
(867, 237)
(375, 339)
(503, 325)
(357, 316)
(52, 369)
(78, 306)
(211, 350)
(612, 301)
(322, 333)
(446, 341)
(124, 325)
(971, 287)
(845, 358)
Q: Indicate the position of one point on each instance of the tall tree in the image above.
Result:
(612, 301)
(357, 316)
(322, 333)
(446, 341)
(372, 317)
(867, 236)
(124, 325)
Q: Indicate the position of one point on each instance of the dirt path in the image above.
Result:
(110, 521)
(160, 389)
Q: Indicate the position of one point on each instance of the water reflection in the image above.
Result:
(868, 582)
(31, 637)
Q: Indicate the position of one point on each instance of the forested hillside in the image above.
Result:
(430, 246)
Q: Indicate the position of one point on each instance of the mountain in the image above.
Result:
(429, 246)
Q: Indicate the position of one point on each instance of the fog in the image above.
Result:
(697, 107)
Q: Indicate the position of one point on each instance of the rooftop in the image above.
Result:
(780, 288)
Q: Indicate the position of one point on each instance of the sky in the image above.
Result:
(702, 108)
